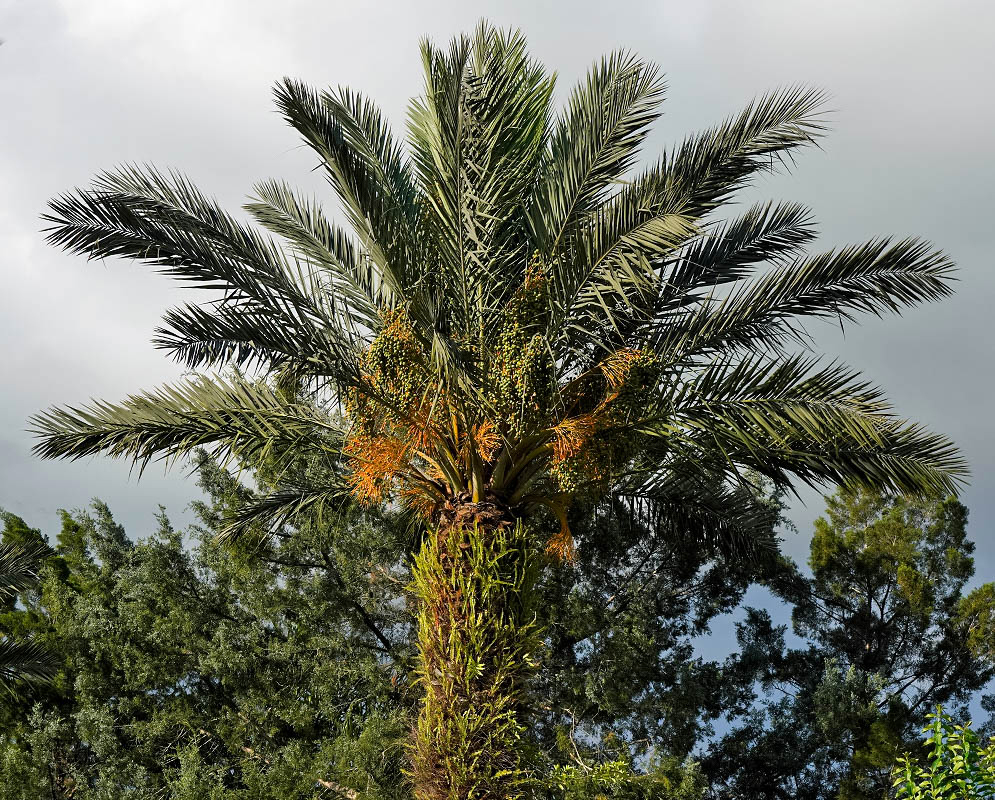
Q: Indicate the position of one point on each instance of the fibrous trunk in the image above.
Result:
(474, 581)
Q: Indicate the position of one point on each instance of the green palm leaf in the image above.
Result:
(767, 233)
(701, 508)
(478, 139)
(19, 567)
(876, 277)
(593, 144)
(368, 172)
(24, 661)
(708, 168)
(232, 419)
(290, 503)
(353, 287)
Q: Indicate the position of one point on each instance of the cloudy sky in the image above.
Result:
(89, 84)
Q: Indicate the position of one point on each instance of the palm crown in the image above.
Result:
(515, 317)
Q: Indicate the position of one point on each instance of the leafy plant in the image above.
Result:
(957, 765)
(665, 780)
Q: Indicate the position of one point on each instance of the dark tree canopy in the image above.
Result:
(280, 668)
(189, 670)
(890, 631)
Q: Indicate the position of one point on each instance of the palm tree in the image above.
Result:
(516, 320)
(21, 660)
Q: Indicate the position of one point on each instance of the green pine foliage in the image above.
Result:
(623, 623)
(192, 671)
(278, 667)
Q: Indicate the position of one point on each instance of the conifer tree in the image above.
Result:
(890, 631)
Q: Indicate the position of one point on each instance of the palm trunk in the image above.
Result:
(474, 580)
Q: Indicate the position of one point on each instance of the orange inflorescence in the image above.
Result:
(392, 417)
(488, 441)
(374, 461)
(420, 430)
(618, 365)
(561, 545)
(571, 435)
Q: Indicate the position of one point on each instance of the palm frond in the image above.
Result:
(593, 143)
(709, 167)
(353, 283)
(791, 417)
(166, 222)
(786, 439)
(701, 507)
(19, 566)
(24, 661)
(758, 379)
(786, 400)
(906, 458)
(478, 136)
(875, 277)
(231, 419)
(766, 233)
(240, 334)
(285, 506)
(369, 173)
